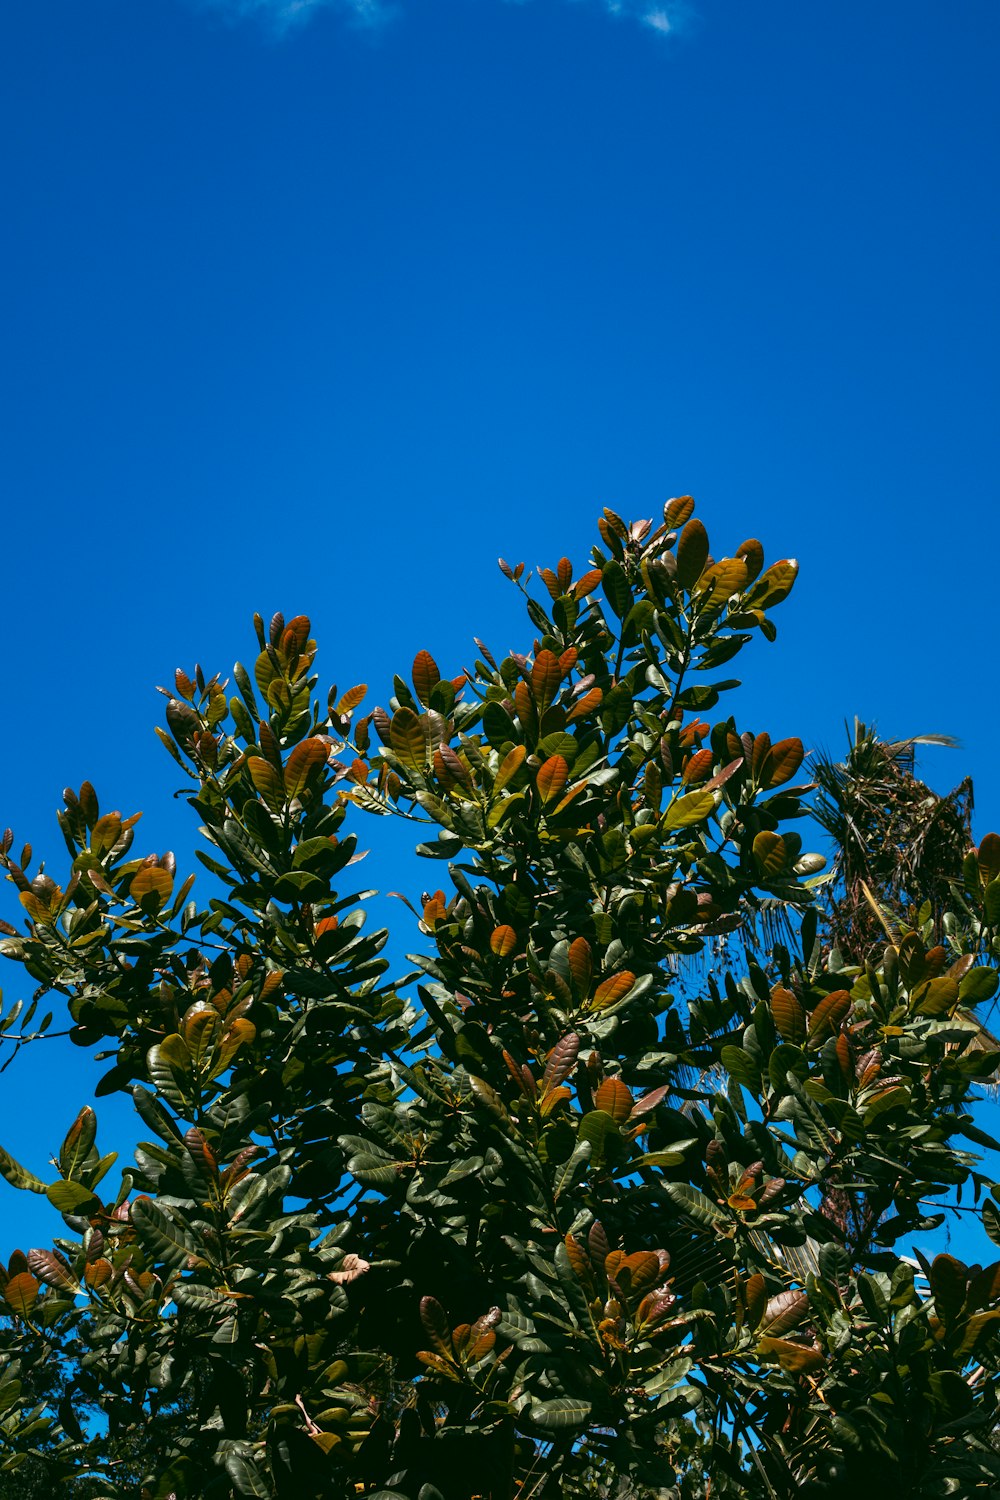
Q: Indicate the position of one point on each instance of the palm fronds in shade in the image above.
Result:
(890, 832)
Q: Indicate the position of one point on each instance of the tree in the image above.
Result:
(471, 1231)
(894, 838)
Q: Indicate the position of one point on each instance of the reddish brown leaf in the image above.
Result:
(692, 553)
(304, 765)
(408, 738)
(561, 1060)
(425, 676)
(829, 1013)
(781, 763)
(759, 756)
(756, 1299)
(752, 554)
(677, 512)
(789, 1017)
(432, 1316)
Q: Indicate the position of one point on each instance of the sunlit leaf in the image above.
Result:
(613, 989)
(552, 777)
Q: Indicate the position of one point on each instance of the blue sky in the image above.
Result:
(323, 310)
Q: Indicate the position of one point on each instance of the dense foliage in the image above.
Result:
(523, 1222)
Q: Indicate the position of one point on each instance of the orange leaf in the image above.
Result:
(581, 966)
(350, 700)
(552, 777)
(303, 763)
(723, 579)
(503, 941)
(613, 989)
(698, 767)
(546, 675)
(509, 767)
(525, 706)
(615, 1098)
(775, 585)
(587, 584)
(21, 1293)
(588, 704)
(550, 581)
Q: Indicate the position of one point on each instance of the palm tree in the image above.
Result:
(893, 838)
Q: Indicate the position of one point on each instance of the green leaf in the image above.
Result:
(565, 1412)
(268, 781)
(741, 1066)
(78, 1143)
(158, 1232)
(693, 1202)
(978, 985)
(991, 1221)
(19, 1176)
(770, 853)
(246, 1477)
(67, 1197)
(616, 589)
(693, 808)
(936, 997)
(600, 1132)
(408, 738)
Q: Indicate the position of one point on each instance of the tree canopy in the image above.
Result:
(612, 1194)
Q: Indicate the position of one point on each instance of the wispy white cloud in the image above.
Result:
(659, 19)
(665, 17)
(283, 15)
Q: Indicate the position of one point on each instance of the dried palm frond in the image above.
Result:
(890, 834)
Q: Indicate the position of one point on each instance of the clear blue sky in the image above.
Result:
(323, 316)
